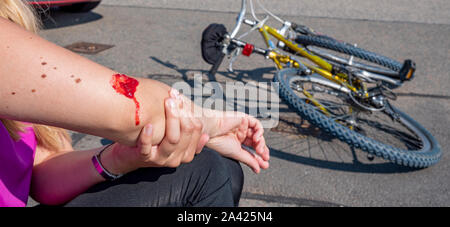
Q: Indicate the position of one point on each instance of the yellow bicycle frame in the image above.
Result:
(324, 68)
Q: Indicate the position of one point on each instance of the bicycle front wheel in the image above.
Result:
(401, 140)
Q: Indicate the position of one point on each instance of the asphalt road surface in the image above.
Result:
(161, 40)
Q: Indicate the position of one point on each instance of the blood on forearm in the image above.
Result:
(127, 86)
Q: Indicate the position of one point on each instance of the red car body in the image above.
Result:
(59, 2)
(66, 5)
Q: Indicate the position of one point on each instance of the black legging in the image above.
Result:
(209, 180)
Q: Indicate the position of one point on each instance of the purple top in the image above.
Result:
(16, 163)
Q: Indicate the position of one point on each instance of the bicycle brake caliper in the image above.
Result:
(235, 55)
(391, 113)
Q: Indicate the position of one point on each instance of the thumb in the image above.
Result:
(145, 138)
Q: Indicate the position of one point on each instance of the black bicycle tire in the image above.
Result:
(396, 155)
(345, 48)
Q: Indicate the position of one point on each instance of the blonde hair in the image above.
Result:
(21, 13)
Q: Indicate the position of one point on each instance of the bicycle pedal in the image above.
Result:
(407, 70)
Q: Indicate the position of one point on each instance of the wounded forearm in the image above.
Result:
(41, 82)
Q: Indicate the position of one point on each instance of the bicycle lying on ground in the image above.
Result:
(338, 87)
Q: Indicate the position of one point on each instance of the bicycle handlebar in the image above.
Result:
(241, 17)
(241, 44)
(236, 43)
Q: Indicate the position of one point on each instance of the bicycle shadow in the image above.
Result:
(302, 144)
(306, 144)
(238, 75)
(356, 166)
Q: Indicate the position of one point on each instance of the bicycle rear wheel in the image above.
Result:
(402, 141)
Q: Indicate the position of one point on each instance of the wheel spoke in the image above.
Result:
(339, 110)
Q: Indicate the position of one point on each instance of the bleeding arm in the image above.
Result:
(41, 82)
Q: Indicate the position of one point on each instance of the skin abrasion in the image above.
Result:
(126, 86)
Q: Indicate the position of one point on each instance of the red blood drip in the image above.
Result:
(126, 85)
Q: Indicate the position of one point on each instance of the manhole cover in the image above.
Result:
(88, 48)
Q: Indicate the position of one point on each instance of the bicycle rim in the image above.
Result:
(401, 141)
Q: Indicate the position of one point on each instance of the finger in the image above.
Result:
(176, 95)
(249, 142)
(258, 134)
(185, 147)
(145, 140)
(260, 147)
(250, 132)
(186, 102)
(186, 120)
(150, 160)
(194, 141)
(202, 142)
(202, 138)
(242, 132)
(172, 121)
(248, 159)
(262, 150)
(253, 122)
(268, 153)
(145, 137)
(257, 128)
(173, 162)
(172, 152)
(173, 93)
(262, 164)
